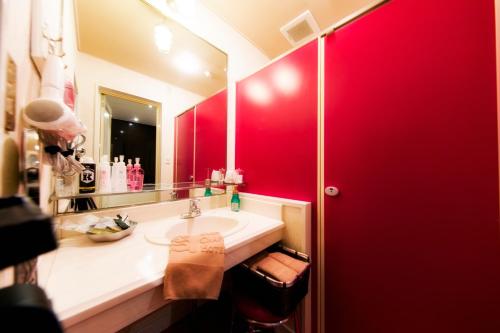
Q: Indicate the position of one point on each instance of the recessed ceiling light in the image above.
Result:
(150, 106)
(187, 63)
(186, 8)
(163, 38)
(207, 73)
(122, 131)
(135, 119)
(106, 114)
(130, 124)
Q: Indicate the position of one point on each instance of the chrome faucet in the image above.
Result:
(194, 209)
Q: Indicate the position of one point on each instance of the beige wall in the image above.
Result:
(14, 41)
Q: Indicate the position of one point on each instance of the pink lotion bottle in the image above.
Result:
(129, 175)
(137, 176)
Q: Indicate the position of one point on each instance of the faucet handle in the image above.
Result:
(193, 203)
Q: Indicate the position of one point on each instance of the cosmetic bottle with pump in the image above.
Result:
(129, 174)
(137, 176)
(104, 175)
(122, 175)
(114, 176)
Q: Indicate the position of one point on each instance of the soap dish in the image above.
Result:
(112, 236)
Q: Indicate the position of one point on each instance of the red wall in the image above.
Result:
(276, 131)
(211, 135)
(184, 147)
(412, 242)
(276, 127)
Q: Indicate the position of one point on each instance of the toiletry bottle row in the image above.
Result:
(120, 177)
(230, 177)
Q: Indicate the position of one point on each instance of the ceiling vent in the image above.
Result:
(302, 28)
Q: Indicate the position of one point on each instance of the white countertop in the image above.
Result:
(83, 277)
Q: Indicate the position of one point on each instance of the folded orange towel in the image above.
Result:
(195, 267)
(295, 264)
(276, 269)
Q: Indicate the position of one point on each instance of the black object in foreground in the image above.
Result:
(25, 232)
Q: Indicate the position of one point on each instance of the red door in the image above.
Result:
(184, 147)
(276, 126)
(211, 135)
(412, 241)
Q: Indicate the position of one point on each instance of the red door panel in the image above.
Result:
(412, 241)
(276, 127)
(211, 135)
(276, 132)
(184, 147)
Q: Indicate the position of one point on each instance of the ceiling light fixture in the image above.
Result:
(186, 8)
(181, 11)
(136, 119)
(163, 38)
(187, 63)
(150, 106)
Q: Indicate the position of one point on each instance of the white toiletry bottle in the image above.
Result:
(114, 176)
(104, 175)
(121, 176)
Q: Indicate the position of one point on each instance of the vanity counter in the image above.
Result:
(85, 279)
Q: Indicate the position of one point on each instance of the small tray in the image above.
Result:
(113, 236)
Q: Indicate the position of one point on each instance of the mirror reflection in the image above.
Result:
(140, 77)
(129, 129)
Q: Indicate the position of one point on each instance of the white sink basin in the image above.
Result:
(202, 224)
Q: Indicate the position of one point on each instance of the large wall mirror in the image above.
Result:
(137, 73)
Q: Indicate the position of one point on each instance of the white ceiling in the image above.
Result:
(127, 110)
(122, 32)
(260, 20)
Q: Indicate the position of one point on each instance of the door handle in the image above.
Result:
(332, 191)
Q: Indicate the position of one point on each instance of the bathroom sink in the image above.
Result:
(202, 224)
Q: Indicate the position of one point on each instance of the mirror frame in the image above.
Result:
(136, 99)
